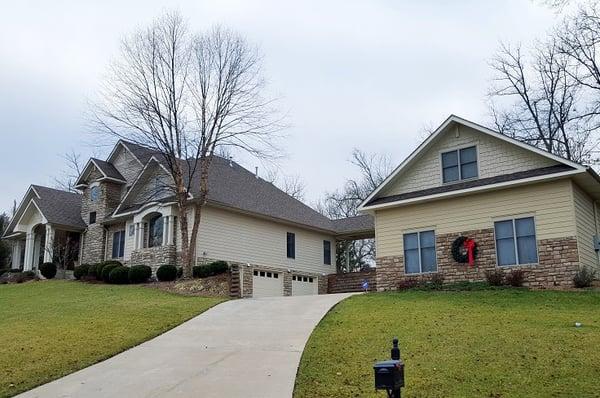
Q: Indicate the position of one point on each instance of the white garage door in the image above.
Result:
(304, 285)
(267, 284)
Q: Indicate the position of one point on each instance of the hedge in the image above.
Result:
(166, 273)
(106, 269)
(119, 275)
(48, 270)
(81, 271)
(139, 273)
(205, 270)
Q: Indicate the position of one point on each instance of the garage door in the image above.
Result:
(267, 284)
(304, 285)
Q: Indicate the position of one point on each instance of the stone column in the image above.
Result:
(142, 233)
(136, 235)
(49, 249)
(166, 224)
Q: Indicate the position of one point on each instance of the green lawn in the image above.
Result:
(504, 343)
(51, 328)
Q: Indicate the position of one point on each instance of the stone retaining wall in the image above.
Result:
(351, 281)
(154, 256)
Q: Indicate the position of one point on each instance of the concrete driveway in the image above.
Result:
(241, 348)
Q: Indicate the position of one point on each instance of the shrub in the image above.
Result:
(94, 270)
(29, 274)
(139, 273)
(215, 268)
(4, 271)
(179, 272)
(584, 277)
(119, 275)
(106, 269)
(14, 271)
(166, 273)
(81, 271)
(408, 284)
(495, 277)
(515, 277)
(48, 270)
(437, 281)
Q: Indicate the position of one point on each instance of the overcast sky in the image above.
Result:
(366, 74)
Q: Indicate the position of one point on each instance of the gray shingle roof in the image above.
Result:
(60, 207)
(141, 152)
(108, 169)
(354, 225)
(472, 184)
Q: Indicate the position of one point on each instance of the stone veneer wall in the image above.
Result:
(557, 263)
(154, 256)
(246, 272)
(351, 281)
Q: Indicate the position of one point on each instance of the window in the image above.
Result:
(460, 164)
(94, 193)
(327, 252)
(291, 245)
(155, 231)
(419, 252)
(515, 241)
(118, 247)
(92, 217)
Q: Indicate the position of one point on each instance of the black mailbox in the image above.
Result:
(389, 375)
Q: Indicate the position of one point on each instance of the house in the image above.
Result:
(278, 245)
(468, 190)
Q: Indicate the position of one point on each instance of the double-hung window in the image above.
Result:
(516, 241)
(419, 252)
(118, 246)
(460, 164)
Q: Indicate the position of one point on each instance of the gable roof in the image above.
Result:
(232, 186)
(58, 207)
(108, 171)
(372, 199)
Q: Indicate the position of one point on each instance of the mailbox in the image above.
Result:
(389, 375)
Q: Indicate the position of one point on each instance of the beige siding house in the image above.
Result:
(523, 208)
(125, 212)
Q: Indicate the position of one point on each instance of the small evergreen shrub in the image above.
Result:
(584, 277)
(119, 275)
(214, 268)
(495, 277)
(106, 269)
(93, 271)
(166, 273)
(139, 273)
(81, 271)
(48, 270)
(406, 284)
(437, 281)
(515, 278)
(29, 274)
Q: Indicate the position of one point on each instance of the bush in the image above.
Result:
(119, 275)
(81, 271)
(48, 270)
(139, 273)
(106, 269)
(179, 272)
(495, 277)
(215, 268)
(166, 273)
(437, 281)
(515, 277)
(94, 271)
(4, 271)
(584, 277)
(408, 284)
(14, 271)
(29, 274)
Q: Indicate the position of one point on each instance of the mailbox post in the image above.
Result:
(389, 375)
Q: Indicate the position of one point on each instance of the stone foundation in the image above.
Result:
(557, 263)
(154, 256)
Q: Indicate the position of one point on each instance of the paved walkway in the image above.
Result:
(241, 348)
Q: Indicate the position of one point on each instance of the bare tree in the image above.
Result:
(185, 96)
(290, 184)
(538, 100)
(72, 171)
(373, 169)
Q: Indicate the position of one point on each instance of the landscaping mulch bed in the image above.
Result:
(213, 286)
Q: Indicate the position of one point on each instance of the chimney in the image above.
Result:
(256, 171)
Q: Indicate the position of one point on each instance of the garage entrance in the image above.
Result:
(267, 284)
(304, 285)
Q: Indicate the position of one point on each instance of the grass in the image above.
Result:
(498, 343)
(52, 328)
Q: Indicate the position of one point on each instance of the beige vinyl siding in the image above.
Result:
(550, 203)
(495, 157)
(586, 228)
(230, 236)
(144, 190)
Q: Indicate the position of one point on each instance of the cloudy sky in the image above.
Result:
(366, 74)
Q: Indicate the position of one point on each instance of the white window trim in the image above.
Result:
(457, 149)
(537, 246)
(418, 232)
(124, 243)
